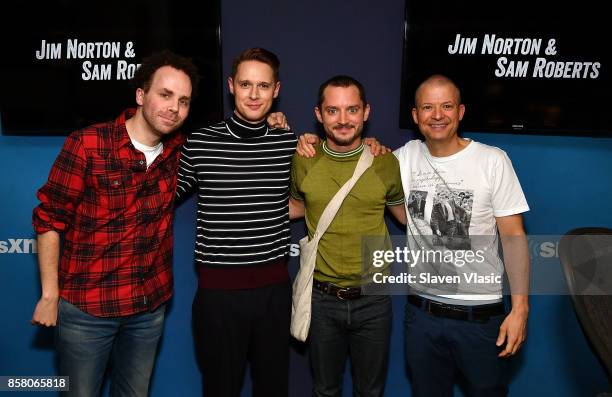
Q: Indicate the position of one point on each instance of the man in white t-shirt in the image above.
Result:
(456, 324)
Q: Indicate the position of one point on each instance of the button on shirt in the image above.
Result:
(117, 218)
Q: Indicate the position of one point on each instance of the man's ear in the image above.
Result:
(276, 89)
(318, 114)
(140, 96)
(461, 111)
(230, 85)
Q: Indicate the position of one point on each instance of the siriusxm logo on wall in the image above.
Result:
(18, 246)
(547, 249)
(28, 246)
(294, 250)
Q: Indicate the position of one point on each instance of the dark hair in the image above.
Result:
(257, 54)
(149, 65)
(342, 81)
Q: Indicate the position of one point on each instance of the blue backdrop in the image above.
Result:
(566, 181)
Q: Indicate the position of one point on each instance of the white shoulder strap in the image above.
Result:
(365, 161)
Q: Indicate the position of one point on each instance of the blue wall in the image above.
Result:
(566, 181)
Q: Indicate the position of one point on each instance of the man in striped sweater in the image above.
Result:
(240, 169)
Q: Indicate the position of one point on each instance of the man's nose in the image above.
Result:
(437, 112)
(174, 106)
(254, 92)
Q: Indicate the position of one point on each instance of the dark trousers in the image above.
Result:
(233, 327)
(358, 329)
(439, 350)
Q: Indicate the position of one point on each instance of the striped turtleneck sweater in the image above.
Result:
(241, 173)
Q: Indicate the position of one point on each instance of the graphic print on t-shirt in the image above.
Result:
(416, 203)
(450, 217)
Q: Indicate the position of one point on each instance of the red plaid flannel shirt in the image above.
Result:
(117, 219)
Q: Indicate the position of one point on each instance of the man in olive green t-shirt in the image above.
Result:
(344, 321)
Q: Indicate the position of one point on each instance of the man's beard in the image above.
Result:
(345, 140)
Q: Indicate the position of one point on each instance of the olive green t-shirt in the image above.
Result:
(316, 180)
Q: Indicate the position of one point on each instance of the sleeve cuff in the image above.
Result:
(396, 202)
(513, 211)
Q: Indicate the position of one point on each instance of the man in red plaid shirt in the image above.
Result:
(110, 193)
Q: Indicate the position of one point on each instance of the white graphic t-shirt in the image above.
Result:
(452, 203)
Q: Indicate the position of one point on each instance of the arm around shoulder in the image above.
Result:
(399, 212)
(296, 208)
(307, 143)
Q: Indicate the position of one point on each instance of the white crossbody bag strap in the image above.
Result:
(365, 161)
(301, 309)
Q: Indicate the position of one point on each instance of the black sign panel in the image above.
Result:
(522, 66)
(67, 63)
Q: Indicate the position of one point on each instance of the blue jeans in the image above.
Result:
(359, 329)
(86, 343)
(439, 350)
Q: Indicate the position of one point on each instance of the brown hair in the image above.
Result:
(260, 55)
(342, 81)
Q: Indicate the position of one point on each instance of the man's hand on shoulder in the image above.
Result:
(306, 144)
(308, 141)
(278, 120)
(376, 148)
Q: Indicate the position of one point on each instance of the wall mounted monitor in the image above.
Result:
(523, 66)
(66, 63)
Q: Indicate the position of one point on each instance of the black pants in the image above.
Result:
(233, 327)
